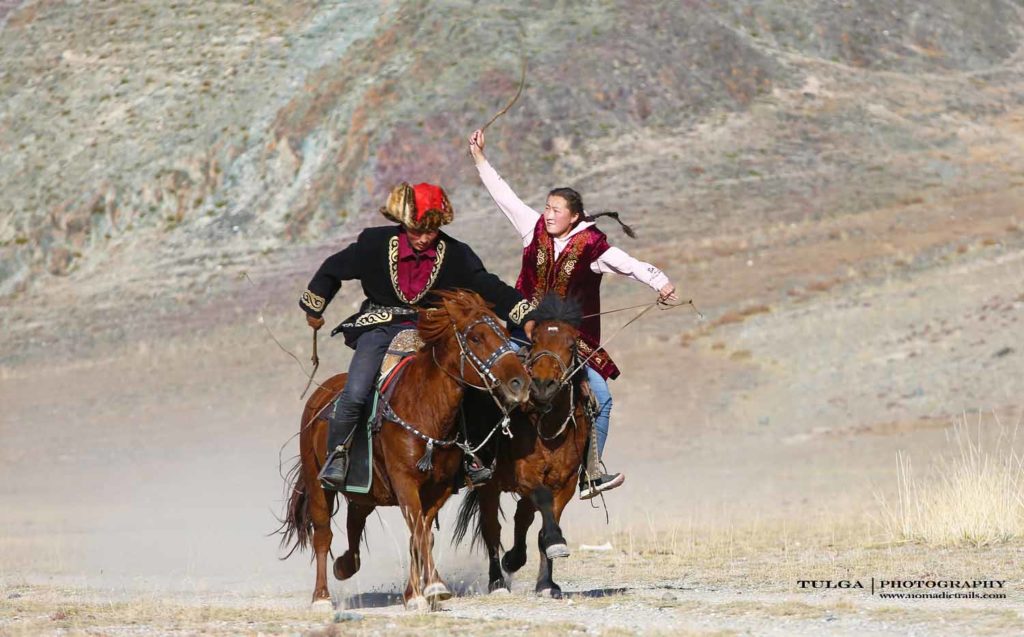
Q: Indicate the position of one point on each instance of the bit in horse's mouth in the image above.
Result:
(514, 398)
(539, 407)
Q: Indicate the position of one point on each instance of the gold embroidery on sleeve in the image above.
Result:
(519, 310)
(314, 302)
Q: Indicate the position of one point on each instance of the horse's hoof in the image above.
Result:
(556, 551)
(346, 566)
(437, 592)
(322, 605)
(553, 592)
(499, 587)
(418, 604)
(511, 562)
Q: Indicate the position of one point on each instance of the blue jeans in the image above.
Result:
(599, 386)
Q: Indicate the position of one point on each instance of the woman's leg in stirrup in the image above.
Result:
(595, 479)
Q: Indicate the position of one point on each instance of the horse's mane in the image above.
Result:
(556, 308)
(434, 321)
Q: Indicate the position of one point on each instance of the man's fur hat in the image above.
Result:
(421, 207)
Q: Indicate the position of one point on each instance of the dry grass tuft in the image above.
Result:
(974, 496)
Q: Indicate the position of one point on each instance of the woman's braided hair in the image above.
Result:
(575, 203)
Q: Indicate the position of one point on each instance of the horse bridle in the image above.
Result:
(566, 375)
(482, 367)
(565, 379)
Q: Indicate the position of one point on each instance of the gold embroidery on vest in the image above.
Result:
(571, 254)
(393, 270)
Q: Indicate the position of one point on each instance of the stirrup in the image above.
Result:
(605, 482)
(332, 474)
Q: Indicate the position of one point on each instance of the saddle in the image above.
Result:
(403, 345)
(359, 478)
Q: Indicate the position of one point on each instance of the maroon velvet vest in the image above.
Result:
(570, 275)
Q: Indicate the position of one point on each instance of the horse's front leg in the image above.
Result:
(409, 502)
(549, 540)
(515, 557)
(320, 502)
(420, 504)
(490, 529)
(435, 590)
(552, 544)
(355, 521)
(545, 577)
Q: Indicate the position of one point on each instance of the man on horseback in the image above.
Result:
(565, 253)
(399, 267)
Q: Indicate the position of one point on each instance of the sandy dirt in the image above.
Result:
(139, 472)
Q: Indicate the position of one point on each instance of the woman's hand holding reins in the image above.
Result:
(667, 292)
(476, 146)
(314, 322)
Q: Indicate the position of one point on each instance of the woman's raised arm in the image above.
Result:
(523, 217)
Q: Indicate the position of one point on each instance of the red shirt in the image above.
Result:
(413, 267)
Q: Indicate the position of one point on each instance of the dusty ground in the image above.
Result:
(139, 475)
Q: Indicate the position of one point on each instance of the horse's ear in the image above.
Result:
(446, 303)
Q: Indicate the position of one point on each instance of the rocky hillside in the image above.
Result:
(146, 146)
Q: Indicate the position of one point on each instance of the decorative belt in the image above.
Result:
(373, 307)
(374, 314)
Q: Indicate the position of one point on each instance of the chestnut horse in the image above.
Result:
(541, 462)
(464, 344)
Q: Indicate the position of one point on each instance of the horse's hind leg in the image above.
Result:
(355, 521)
(515, 557)
(490, 529)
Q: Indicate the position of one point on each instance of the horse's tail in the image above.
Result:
(469, 509)
(297, 525)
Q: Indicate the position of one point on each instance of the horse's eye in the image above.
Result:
(473, 338)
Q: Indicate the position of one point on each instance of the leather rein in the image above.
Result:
(483, 369)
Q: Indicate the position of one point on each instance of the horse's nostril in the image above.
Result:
(516, 384)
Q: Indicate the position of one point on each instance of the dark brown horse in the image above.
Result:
(542, 460)
(464, 344)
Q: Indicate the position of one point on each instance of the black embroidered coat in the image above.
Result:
(373, 260)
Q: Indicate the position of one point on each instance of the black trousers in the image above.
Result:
(362, 374)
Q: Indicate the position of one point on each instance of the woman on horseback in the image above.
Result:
(565, 252)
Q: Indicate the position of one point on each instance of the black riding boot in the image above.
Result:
(341, 426)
